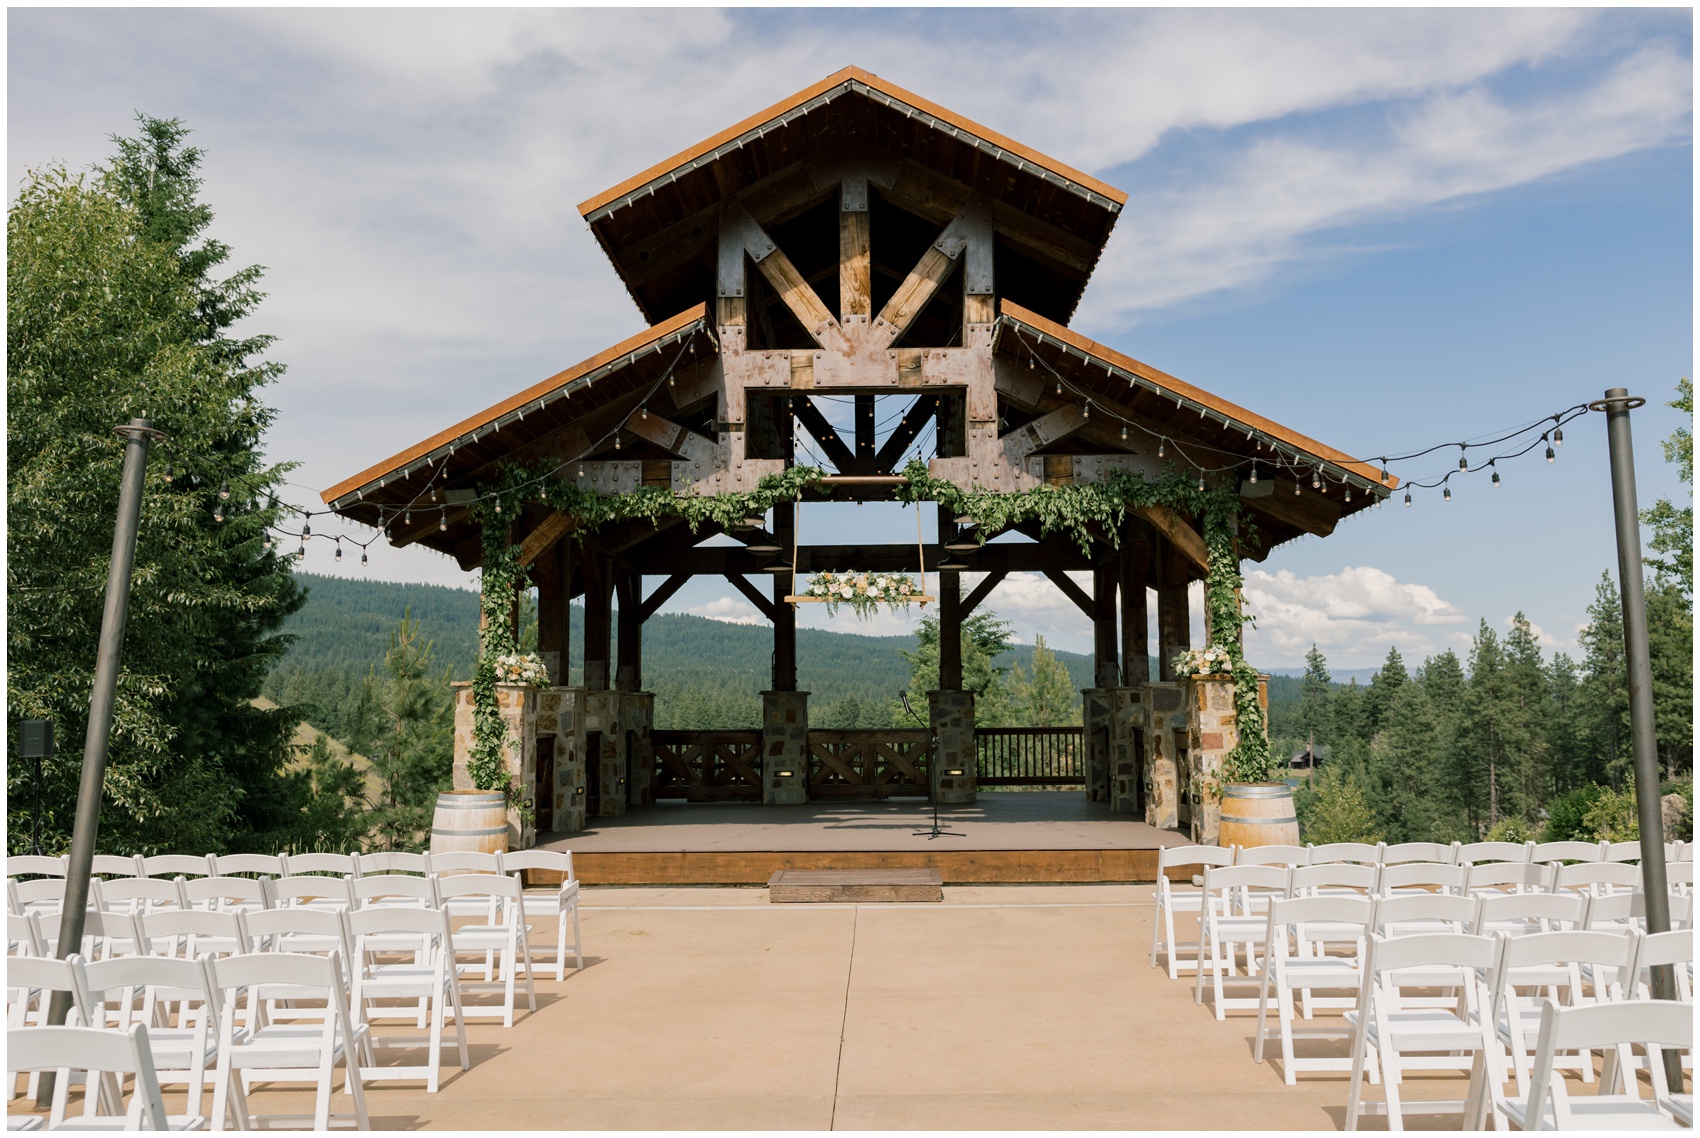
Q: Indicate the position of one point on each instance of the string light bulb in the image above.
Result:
(224, 490)
(1384, 476)
(1254, 474)
(1550, 456)
(581, 470)
(443, 521)
(1161, 443)
(616, 442)
(1059, 386)
(363, 555)
(1463, 459)
(306, 527)
(338, 556)
(1124, 432)
(1295, 486)
(1030, 362)
(643, 412)
(407, 518)
(1315, 480)
(301, 553)
(218, 512)
(1495, 474)
(1558, 436)
(1407, 499)
(1086, 410)
(1446, 493)
(170, 472)
(1201, 483)
(1348, 491)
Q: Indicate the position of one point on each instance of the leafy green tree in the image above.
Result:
(410, 741)
(1567, 815)
(1673, 528)
(1670, 646)
(1335, 808)
(1048, 697)
(106, 322)
(984, 639)
(1312, 721)
(332, 802)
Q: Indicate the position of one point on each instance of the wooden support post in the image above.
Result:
(950, 616)
(554, 611)
(1174, 623)
(1136, 613)
(784, 614)
(629, 583)
(855, 260)
(598, 603)
(1106, 668)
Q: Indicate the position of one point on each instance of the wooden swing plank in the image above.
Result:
(912, 599)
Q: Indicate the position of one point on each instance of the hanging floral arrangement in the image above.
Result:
(864, 593)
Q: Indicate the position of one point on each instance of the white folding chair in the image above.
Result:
(1508, 877)
(229, 865)
(1517, 914)
(1361, 852)
(557, 901)
(1550, 963)
(389, 861)
(23, 935)
(1406, 1036)
(41, 895)
(1629, 910)
(1445, 853)
(1412, 914)
(388, 890)
(1170, 901)
(502, 939)
(140, 894)
(1545, 852)
(1424, 877)
(186, 1054)
(310, 891)
(176, 865)
(1679, 877)
(30, 985)
(1231, 917)
(1474, 853)
(188, 933)
(104, 934)
(35, 865)
(1293, 960)
(94, 1051)
(302, 864)
(1272, 855)
(1334, 879)
(299, 929)
(432, 977)
(1597, 878)
(1548, 1105)
(1622, 851)
(252, 1047)
(115, 865)
(1674, 948)
(225, 894)
(463, 861)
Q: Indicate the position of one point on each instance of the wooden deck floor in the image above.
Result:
(1044, 836)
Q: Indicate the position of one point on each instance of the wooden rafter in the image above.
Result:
(1073, 592)
(981, 592)
(763, 605)
(1171, 525)
(540, 540)
(663, 592)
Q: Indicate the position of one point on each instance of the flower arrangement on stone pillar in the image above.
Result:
(522, 668)
(1211, 661)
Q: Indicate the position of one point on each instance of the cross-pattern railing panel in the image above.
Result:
(1030, 756)
(707, 766)
(869, 764)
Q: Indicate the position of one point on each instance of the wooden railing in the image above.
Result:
(707, 766)
(1030, 756)
(869, 764)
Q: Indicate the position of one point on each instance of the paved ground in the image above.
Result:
(1012, 1007)
(1041, 820)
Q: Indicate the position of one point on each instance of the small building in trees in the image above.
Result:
(856, 243)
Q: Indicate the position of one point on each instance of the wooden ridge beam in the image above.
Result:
(549, 531)
(661, 595)
(1073, 592)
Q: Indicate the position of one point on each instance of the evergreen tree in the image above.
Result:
(1046, 699)
(111, 314)
(1312, 721)
(1346, 715)
(1412, 795)
(1334, 808)
(411, 741)
(1486, 713)
(1670, 644)
(1673, 528)
(1383, 686)
(1604, 691)
(984, 639)
(1528, 715)
(1564, 736)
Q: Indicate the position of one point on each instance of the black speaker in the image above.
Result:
(36, 738)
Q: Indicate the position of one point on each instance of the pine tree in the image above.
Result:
(1383, 686)
(1312, 721)
(984, 639)
(1604, 692)
(1411, 793)
(1486, 714)
(1334, 808)
(411, 743)
(1673, 528)
(1048, 697)
(1527, 720)
(1670, 644)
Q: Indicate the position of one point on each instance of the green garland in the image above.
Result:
(1086, 511)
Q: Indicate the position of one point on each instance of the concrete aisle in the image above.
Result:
(1014, 1007)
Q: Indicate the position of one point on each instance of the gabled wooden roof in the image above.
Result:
(659, 227)
(1202, 429)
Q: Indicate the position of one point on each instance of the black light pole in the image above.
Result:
(1617, 404)
(139, 435)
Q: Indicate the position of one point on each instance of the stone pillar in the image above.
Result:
(1127, 723)
(640, 720)
(1097, 708)
(1212, 731)
(1165, 718)
(560, 712)
(602, 712)
(951, 714)
(785, 747)
(517, 704)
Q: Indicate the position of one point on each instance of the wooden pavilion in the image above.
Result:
(860, 242)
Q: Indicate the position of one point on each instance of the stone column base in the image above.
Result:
(560, 712)
(1165, 726)
(603, 712)
(785, 747)
(951, 714)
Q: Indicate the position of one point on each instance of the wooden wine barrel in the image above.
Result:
(470, 820)
(1258, 814)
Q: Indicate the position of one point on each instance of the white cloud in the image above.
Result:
(1353, 616)
(729, 610)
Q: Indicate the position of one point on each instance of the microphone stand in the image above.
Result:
(935, 832)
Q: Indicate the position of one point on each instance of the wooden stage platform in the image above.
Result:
(1005, 837)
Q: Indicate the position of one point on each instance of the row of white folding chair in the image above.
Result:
(94, 1051)
(1454, 853)
(288, 865)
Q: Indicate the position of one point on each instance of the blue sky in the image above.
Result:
(1385, 229)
